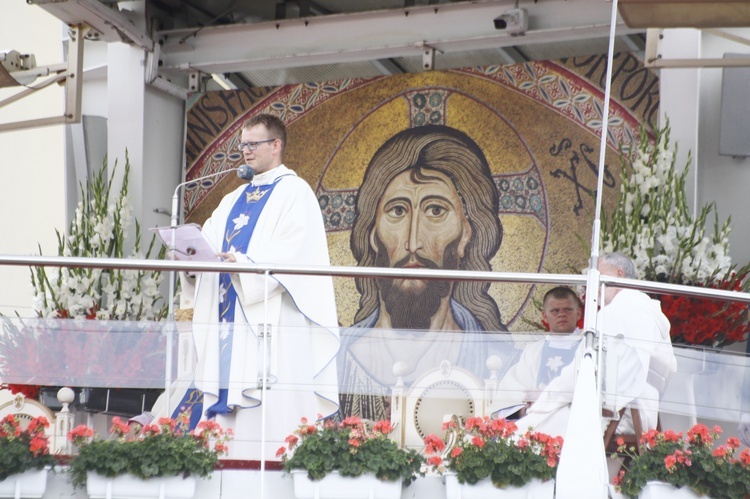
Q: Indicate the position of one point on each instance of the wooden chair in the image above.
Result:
(630, 439)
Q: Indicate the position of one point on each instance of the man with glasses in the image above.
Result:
(542, 361)
(273, 220)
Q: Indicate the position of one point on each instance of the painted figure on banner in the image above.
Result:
(428, 200)
(237, 333)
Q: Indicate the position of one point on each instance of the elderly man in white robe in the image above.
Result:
(276, 220)
(638, 356)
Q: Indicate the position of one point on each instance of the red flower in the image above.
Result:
(672, 436)
(702, 321)
(383, 427)
(745, 457)
(281, 451)
(29, 391)
(80, 434)
(456, 452)
(448, 425)
(351, 422)
(354, 442)
(291, 440)
(478, 441)
(119, 427)
(733, 442)
(433, 444)
(435, 461)
(617, 481)
(670, 462)
(699, 434)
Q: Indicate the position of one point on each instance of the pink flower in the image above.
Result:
(281, 451)
(435, 461)
(456, 452)
(354, 442)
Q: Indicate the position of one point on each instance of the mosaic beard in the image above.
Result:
(411, 308)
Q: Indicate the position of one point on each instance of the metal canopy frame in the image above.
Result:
(654, 59)
(72, 76)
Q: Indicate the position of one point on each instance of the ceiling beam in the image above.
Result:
(375, 35)
(105, 23)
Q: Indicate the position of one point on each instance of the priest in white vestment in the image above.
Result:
(275, 220)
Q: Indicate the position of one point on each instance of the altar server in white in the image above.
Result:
(275, 220)
(638, 354)
(541, 360)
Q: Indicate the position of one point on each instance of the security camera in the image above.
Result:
(514, 21)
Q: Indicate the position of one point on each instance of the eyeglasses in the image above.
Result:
(251, 146)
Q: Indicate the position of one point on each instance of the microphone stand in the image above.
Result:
(245, 173)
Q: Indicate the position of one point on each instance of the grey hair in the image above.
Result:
(620, 261)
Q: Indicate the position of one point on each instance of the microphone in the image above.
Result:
(245, 173)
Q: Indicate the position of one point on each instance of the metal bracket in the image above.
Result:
(264, 330)
(428, 58)
(194, 81)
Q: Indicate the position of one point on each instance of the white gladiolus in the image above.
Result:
(662, 236)
(99, 229)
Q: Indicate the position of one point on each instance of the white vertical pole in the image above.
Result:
(583, 466)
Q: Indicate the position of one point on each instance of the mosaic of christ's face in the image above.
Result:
(420, 223)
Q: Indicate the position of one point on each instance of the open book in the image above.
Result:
(510, 412)
(189, 243)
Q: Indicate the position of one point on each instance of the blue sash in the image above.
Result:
(241, 224)
(552, 360)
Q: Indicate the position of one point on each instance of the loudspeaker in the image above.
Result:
(734, 127)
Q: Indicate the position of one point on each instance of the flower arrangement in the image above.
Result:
(487, 448)
(154, 450)
(79, 352)
(350, 447)
(23, 449)
(695, 463)
(655, 227)
(99, 229)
